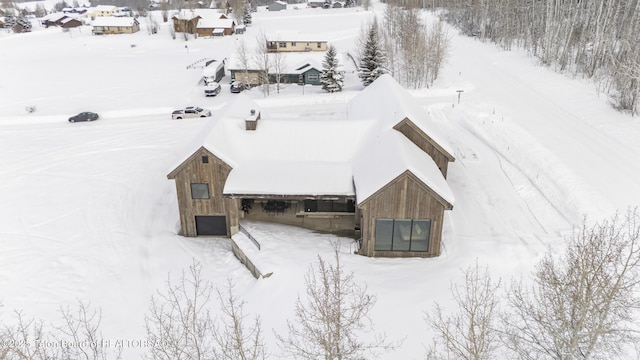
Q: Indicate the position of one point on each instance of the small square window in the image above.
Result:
(205, 159)
(199, 191)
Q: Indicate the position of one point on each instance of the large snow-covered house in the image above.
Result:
(379, 173)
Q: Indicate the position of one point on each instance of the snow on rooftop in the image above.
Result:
(389, 154)
(393, 104)
(296, 36)
(312, 156)
(187, 14)
(292, 61)
(208, 23)
(114, 21)
(106, 8)
(291, 178)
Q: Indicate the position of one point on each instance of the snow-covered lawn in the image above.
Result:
(86, 210)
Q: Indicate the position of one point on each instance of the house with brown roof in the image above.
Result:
(371, 179)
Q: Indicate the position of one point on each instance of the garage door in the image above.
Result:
(211, 225)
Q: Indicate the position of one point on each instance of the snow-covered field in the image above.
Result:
(86, 210)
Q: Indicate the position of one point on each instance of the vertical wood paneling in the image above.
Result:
(413, 133)
(404, 198)
(214, 173)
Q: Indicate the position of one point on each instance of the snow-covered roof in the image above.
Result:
(393, 104)
(283, 3)
(293, 36)
(188, 14)
(309, 156)
(292, 62)
(266, 161)
(106, 8)
(387, 155)
(114, 21)
(213, 23)
(66, 20)
(53, 17)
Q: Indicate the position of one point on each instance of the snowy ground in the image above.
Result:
(86, 211)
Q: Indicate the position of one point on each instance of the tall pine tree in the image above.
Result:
(372, 56)
(330, 78)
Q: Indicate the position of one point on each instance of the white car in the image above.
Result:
(190, 112)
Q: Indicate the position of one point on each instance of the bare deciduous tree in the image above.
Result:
(179, 323)
(279, 65)
(580, 305)
(590, 38)
(79, 337)
(236, 341)
(243, 61)
(82, 327)
(262, 62)
(329, 322)
(469, 332)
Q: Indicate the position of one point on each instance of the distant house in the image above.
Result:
(69, 23)
(294, 42)
(115, 25)
(1, 22)
(61, 20)
(187, 21)
(296, 68)
(215, 27)
(240, 29)
(79, 10)
(306, 72)
(52, 19)
(371, 179)
(315, 3)
(104, 10)
(277, 6)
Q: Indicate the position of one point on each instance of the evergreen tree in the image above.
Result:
(246, 13)
(331, 79)
(372, 56)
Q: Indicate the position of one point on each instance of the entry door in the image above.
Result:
(211, 225)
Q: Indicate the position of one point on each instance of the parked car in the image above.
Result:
(237, 87)
(84, 116)
(212, 89)
(190, 112)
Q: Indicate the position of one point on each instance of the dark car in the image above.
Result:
(237, 87)
(84, 116)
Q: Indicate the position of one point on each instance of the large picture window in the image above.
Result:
(402, 235)
(199, 191)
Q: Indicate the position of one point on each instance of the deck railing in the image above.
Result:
(253, 240)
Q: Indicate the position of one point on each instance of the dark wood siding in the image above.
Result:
(424, 142)
(215, 173)
(406, 197)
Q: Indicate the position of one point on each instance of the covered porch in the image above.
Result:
(322, 213)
